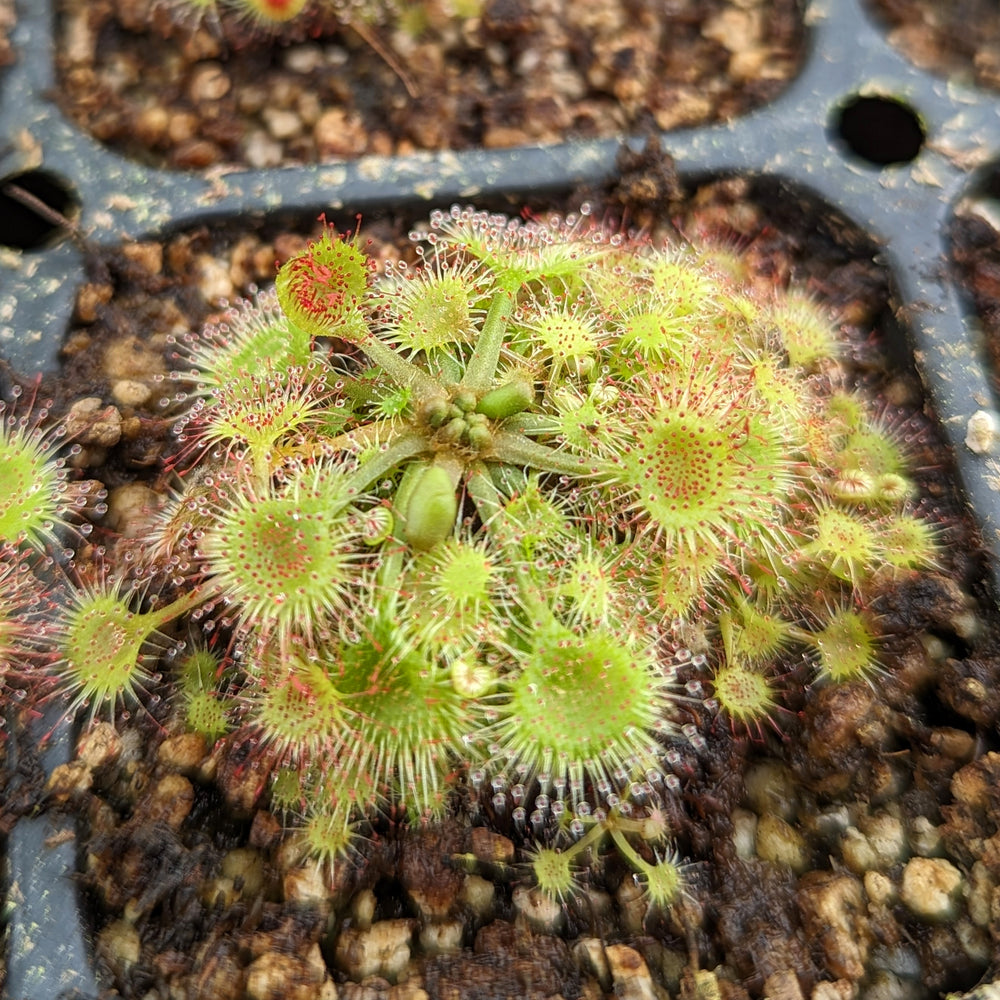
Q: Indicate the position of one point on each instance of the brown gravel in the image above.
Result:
(8, 17)
(519, 71)
(975, 239)
(960, 39)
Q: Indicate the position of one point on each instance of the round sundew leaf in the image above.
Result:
(327, 831)
(703, 462)
(554, 872)
(321, 290)
(758, 633)
(205, 710)
(564, 335)
(32, 490)
(272, 11)
(655, 335)
(845, 543)
(744, 694)
(295, 706)
(582, 702)
(435, 310)
(846, 647)
(405, 718)
(873, 451)
(19, 592)
(100, 644)
(663, 881)
(697, 471)
(807, 334)
(286, 558)
(455, 594)
(262, 409)
(254, 330)
(907, 542)
(206, 713)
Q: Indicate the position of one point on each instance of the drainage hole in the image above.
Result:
(35, 207)
(880, 130)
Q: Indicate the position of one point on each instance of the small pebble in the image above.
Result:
(490, 847)
(209, 82)
(879, 888)
(477, 894)
(129, 357)
(338, 133)
(90, 422)
(170, 801)
(981, 433)
(130, 392)
(305, 886)
(182, 753)
(442, 938)
(214, 282)
(629, 973)
(261, 150)
(925, 839)
(834, 917)
(382, 950)
(147, 254)
(303, 58)
(589, 955)
(931, 889)
(89, 298)
(245, 866)
(99, 745)
(780, 843)
(783, 985)
(129, 508)
(281, 124)
(119, 945)
(277, 976)
(362, 909)
(541, 912)
(69, 780)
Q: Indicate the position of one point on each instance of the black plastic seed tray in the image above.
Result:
(891, 147)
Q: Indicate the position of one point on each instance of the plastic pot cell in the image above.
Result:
(886, 148)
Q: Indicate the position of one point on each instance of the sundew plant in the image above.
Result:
(459, 518)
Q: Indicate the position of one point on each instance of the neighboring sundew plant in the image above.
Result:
(35, 496)
(21, 609)
(457, 518)
(271, 16)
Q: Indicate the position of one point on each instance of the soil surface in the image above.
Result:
(849, 851)
(513, 72)
(8, 17)
(975, 239)
(958, 39)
